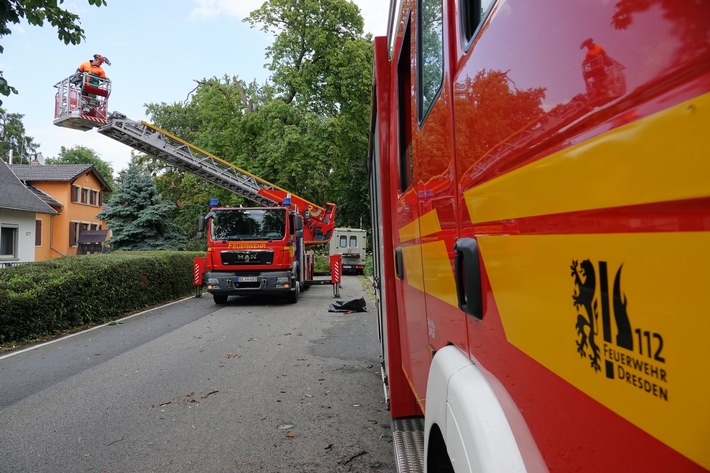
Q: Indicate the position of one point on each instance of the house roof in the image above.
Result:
(15, 196)
(55, 172)
(44, 197)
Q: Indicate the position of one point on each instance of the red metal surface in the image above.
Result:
(199, 267)
(402, 400)
(336, 268)
(535, 50)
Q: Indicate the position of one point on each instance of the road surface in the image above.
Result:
(256, 385)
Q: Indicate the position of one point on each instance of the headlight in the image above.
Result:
(283, 279)
(212, 281)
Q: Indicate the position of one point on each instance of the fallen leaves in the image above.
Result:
(186, 399)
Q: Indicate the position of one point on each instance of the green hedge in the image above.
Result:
(40, 299)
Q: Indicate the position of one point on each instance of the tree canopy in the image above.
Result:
(13, 139)
(306, 130)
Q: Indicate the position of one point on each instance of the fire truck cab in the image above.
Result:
(254, 251)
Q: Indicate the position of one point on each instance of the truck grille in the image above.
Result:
(235, 258)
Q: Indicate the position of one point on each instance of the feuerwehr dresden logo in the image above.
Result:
(637, 361)
(591, 295)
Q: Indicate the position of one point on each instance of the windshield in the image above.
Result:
(248, 224)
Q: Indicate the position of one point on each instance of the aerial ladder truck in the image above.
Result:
(251, 250)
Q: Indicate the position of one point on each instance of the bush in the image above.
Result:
(45, 298)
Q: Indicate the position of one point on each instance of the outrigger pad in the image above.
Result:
(354, 305)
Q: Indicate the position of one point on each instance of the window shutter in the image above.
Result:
(38, 232)
(72, 234)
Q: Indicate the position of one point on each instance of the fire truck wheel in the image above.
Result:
(293, 296)
(220, 298)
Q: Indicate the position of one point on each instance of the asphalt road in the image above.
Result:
(257, 385)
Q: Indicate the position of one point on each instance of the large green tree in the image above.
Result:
(37, 12)
(14, 140)
(84, 155)
(307, 129)
(311, 41)
(139, 218)
(322, 66)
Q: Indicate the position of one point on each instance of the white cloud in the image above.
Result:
(206, 9)
(374, 12)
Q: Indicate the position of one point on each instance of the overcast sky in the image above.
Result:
(157, 48)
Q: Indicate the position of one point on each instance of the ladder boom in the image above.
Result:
(186, 157)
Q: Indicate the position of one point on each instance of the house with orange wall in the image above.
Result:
(76, 192)
(21, 212)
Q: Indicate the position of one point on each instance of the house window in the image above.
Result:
(8, 241)
(84, 196)
(38, 232)
(75, 194)
(93, 197)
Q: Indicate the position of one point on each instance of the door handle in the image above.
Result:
(399, 263)
(467, 267)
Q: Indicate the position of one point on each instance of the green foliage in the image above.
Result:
(310, 36)
(138, 217)
(306, 131)
(46, 298)
(37, 12)
(84, 155)
(13, 138)
(369, 268)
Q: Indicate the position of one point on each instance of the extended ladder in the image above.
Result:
(160, 144)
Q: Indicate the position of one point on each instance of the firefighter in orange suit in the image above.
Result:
(93, 66)
(94, 74)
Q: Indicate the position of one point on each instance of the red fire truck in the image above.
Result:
(251, 250)
(540, 189)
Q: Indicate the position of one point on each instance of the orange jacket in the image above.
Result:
(91, 69)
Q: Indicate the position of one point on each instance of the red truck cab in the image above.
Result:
(252, 251)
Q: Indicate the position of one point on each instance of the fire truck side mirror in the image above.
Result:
(299, 223)
(201, 228)
(467, 267)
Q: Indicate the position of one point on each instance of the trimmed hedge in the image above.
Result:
(45, 298)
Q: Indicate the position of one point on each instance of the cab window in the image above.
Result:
(430, 62)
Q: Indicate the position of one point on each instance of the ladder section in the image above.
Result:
(186, 157)
(182, 155)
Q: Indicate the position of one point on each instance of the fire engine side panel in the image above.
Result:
(402, 400)
(578, 164)
(403, 198)
(587, 192)
(434, 180)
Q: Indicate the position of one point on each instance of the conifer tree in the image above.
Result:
(138, 217)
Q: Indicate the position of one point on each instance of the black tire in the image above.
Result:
(220, 298)
(293, 296)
